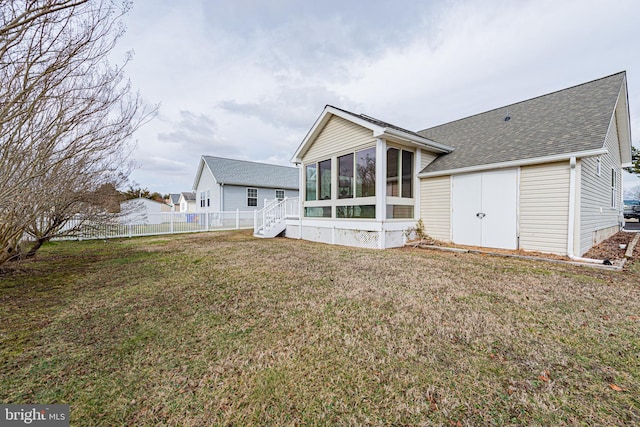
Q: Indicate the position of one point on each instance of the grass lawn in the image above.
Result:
(224, 329)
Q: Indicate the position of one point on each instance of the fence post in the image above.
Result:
(129, 230)
(255, 221)
(206, 220)
(237, 219)
(171, 226)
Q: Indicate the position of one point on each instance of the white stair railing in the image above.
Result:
(269, 220)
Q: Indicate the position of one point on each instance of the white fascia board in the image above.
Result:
(515, 163)
(194, 187)
(417, 140)
(623, 103)
(319, 124)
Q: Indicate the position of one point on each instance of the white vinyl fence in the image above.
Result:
(159, 223)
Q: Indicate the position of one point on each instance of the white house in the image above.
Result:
(228, 185)
(142, 211)
(187, 201)
(538, 175)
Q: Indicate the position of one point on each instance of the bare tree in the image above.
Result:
(66, 114)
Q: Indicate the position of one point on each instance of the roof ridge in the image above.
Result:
(247, 161)
(525, 100)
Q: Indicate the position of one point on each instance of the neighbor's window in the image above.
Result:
(279, 194)
(614, 192)
(252, 197)
(208, 198)
(202, 199)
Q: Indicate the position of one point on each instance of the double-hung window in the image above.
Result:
(252, 197)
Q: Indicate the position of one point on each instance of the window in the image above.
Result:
(399, 173)
(202, 199)
(279, 194)
(208, 198)
(324, 181)
(366, 172)
(252, 197)
(318, 212)
(614, 192)
(312, 182)
(358, 211)
(400, 211)
(345, 176)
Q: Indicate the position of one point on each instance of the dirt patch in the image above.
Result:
(611, 249)
(614, 247)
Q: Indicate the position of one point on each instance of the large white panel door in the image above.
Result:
(499, 205)
(466, 201)
(485, 209)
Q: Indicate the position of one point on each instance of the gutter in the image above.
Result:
(515, 163)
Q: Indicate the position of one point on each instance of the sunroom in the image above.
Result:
(359, 184)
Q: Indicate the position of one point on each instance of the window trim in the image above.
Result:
(249, 197)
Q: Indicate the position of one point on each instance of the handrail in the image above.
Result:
(273, 213)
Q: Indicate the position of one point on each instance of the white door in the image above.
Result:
(466, 202)
(485, 209)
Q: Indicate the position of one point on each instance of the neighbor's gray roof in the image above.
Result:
(174, 197)
(570, 120)
(252, 174)
(189, 196)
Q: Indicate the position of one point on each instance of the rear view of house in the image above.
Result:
(539, 175)
(228, 185)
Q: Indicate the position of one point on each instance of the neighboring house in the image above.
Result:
(142, 211)
(174, 201)
(538, 175)
(187, 201)
(228, 185)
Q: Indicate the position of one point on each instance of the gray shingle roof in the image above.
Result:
(189, 196)
(567, 121)
(174, 197)
(252, 174)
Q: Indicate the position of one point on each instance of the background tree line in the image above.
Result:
(66, 117)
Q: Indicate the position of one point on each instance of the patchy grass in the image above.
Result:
(221, 328)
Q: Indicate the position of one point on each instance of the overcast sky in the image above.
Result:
(247, 79)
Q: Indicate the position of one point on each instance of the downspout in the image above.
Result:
(572, 216)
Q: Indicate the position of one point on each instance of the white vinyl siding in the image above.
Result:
(208, 182)
(544, 207)
(435, 206)
(338, 135)
(235, 197)
(598, 219)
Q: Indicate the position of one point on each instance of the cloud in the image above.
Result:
(197, 132)
(291, 107)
